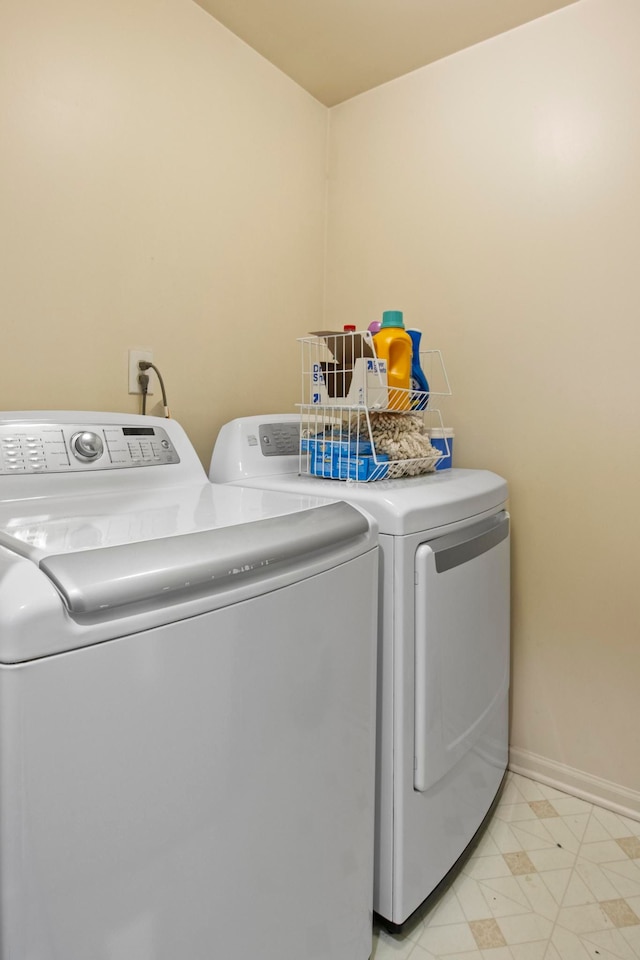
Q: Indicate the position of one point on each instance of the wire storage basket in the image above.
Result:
(355, 426)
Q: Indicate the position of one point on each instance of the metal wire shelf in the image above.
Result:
(354, 425)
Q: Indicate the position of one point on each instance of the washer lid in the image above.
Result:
(409, 505)
(119, 550)
(93, 580)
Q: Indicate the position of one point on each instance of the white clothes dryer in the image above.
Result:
(443, 653)
(187, 695)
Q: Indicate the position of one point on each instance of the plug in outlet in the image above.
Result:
(134, 357)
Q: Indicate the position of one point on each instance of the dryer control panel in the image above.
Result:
(68, 447)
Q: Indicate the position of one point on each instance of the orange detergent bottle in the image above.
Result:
(393, 344)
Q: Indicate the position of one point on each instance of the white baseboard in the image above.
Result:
(603, 793)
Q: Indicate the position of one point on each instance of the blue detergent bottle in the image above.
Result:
(419, 382)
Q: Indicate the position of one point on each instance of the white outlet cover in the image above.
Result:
(135, 355)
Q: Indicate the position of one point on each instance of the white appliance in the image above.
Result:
(443, 671)
(187, 697)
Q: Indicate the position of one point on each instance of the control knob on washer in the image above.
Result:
(86, 445)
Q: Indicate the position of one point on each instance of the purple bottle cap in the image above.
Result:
(374, 326)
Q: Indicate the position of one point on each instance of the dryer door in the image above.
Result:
(461, 648)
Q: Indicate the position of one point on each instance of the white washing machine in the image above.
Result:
(187, 696)
(443, 670)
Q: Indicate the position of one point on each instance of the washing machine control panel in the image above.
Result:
(64, 448)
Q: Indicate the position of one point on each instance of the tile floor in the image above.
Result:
(553, 878)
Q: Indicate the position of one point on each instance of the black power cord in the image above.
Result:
(144, 365)
(143, 380)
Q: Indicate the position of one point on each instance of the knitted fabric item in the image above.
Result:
(403, 438)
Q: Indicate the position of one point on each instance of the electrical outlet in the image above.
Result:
(134, 357)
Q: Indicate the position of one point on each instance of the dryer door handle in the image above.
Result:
(454, 549)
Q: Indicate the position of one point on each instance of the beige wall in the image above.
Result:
(494, 197)
(161, 185)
